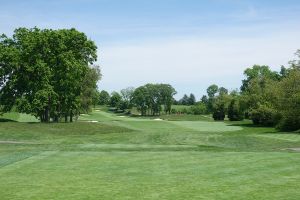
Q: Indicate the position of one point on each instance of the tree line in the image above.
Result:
(149, 99)
(268, 98)
(48, 73)
(51, 75)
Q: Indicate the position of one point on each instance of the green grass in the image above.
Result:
(186, 117)
(17, 117)
(180, 107)
(122, 157)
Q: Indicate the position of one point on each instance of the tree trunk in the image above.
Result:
(66, 117)
(71, 116)
(46, 115)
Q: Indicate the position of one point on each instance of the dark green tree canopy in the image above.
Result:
(115, 99)
(260, 73)
(42, 71)
(192, 99)
(212, 90)
(104, 98)
(151, 97)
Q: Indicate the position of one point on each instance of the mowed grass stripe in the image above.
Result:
(207, 126)
(282, 136)
(152, 175)
(13, 157)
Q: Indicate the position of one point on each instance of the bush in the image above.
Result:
(289, 123)
(235, 113)
(173, 111)
(264, 116)
(219, 113)
(184, 111)
(199, 109)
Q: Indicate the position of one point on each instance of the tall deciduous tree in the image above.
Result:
(44, 71)
(289, 101)
(212, 90)
(89, 96)
(104, 98)
(167, 92)
(151, 97)
(260, 73)
(115, 100)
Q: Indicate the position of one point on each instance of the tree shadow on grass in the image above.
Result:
(269, 129)
(6, 120)
(249, 125)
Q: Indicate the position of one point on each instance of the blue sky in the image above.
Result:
(187, 43)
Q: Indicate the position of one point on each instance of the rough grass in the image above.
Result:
(132, 158)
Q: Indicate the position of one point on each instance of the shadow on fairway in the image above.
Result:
(6, 120)
(249, 125)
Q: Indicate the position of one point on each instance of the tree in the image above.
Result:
(212, 90)
(192, 99)
(199, 109)
(260, 73)
(115, 99)
(204, 99)
(9, 56)
(184, 100)
(90, 94)
(127, 95)
(43, 71)
(154, 99)
(289, 101)
(261, 97)
(167, 92)
(219, 110)
(140, 99)
(218, 101)
(235, 112)
(295, 64)
(223, 91)
(264, 115)
(104, 98)
(150, 97)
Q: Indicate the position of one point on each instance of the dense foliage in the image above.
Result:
(150, 98)
(46, 73)
(268, 98)
(50, 74)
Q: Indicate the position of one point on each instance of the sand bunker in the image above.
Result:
(93, 121)
(294, 149)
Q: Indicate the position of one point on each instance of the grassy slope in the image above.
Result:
(131, 158)
(17, 117)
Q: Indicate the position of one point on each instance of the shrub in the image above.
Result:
(199, 109)
(235, 112)
(184, 111)
(264, 116)
(219, 112)
(289, 123)
(173, 111)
